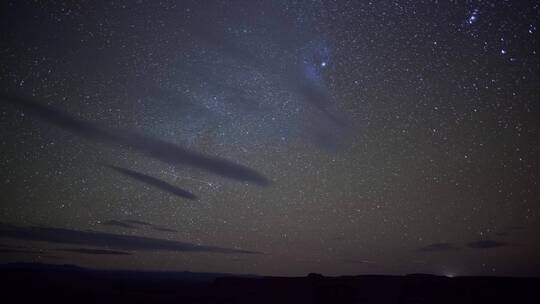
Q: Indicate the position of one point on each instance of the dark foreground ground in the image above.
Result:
(36, 283)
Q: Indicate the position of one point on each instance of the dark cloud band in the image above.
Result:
(106, 240)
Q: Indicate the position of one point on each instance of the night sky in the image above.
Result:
(272, 137)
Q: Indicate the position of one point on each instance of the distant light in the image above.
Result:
(323, 64)
(503, 51)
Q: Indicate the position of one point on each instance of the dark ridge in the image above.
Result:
(38, 283)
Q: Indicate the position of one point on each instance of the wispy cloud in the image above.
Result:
(486, 244)
(116, 223)
(359, 261)
(439, 247)
(96, 251)
(136, 224)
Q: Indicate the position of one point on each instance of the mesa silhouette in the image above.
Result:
(70, 284)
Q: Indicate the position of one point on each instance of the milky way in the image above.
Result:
(272, 137)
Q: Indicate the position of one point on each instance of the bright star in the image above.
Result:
(473, 17)
(323, 64)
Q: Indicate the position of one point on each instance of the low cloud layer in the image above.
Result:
(106, 240)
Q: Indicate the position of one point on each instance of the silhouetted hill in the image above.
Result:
(72, 284)
(34, 283)
(378, 289)
(185, 277)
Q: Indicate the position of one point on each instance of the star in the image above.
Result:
(472, 17)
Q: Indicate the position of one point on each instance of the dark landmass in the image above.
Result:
(33, 283)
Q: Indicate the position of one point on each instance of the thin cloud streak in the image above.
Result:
(152, 147)
(95, 251)
(154, 182)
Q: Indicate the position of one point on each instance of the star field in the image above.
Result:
(340, 137)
